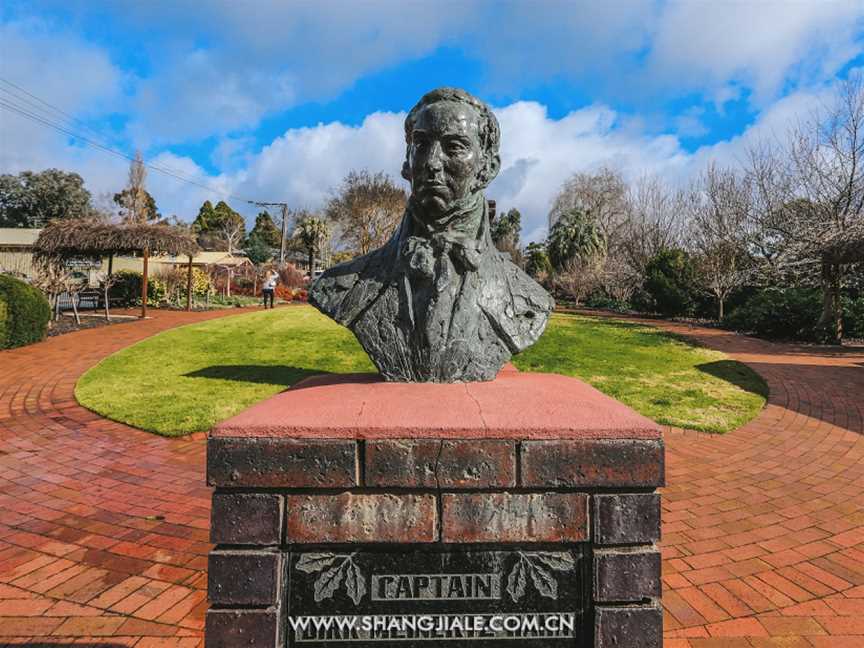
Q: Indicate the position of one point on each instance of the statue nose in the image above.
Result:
(434, 161)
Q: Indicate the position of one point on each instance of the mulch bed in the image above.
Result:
(67, 324)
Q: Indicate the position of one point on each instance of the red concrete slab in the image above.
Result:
(513, 406)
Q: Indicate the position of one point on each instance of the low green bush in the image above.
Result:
(791, 314)
(24, 313)
(853, 318)
(784, 314)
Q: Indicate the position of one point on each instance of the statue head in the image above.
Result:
(452, 141)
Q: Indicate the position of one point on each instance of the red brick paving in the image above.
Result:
(103, 528)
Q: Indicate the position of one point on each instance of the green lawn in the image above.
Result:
(187, 379)
(657, 374)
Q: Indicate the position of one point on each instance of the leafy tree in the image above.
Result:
(506, 231)
(219, 226)
(670, 282)
(575, 236)
(126, 200)
(32, 199)
(311, 235)
(206, 219)
(367, 208)
(537, 262)
(507, 228)
(257, 249)
(266, 231)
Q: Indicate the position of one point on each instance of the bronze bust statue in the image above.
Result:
(438, 302)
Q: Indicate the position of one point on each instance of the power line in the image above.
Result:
(63, 127)
(18, 90)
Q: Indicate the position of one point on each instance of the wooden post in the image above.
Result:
(189, 286)
(144, 285)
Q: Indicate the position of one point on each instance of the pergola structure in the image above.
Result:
(74, 238)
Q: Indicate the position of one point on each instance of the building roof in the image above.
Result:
(18, 236)
(77, 237)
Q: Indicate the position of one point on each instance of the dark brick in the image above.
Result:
(351, 517)
(244, 577)
(521, 517)
(592, 463)
(626, 577)
(242, 629)
(313, 463)
(246, 518)
(630, 627)
(627, 518)
(459, 463)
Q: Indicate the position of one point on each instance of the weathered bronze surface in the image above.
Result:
(438, 302)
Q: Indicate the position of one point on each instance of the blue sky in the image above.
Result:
(279, 100)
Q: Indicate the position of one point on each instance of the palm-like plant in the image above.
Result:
(575, 236)
(311, 235)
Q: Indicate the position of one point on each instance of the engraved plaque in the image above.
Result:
(456, 598)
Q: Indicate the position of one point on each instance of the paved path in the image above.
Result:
(103, 529)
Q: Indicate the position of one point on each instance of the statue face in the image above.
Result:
(445, 157)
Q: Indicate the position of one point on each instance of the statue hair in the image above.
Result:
(490, 132)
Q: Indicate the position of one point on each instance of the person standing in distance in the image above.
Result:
(268, 288)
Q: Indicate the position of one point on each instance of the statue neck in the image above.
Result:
(464, 219)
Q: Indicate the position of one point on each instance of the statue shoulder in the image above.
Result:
(346, 289)
(517, 306)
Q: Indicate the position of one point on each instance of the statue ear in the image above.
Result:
(489, 170)
(406, 170)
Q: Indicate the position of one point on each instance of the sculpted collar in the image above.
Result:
(425, 252)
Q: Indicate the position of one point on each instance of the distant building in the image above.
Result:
(16, 251)
(16, 258)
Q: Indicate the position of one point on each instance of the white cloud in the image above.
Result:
(221, 70)
(714, 46)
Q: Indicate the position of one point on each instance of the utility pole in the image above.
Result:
(283, 242)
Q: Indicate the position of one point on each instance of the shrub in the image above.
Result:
(127, 289)
(291, 277)
(176, 279)
(284, 292)
(24, 313)
(853, 318)
(789, 313)
(670, 283)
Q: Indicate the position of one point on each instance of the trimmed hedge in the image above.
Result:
(24, 313)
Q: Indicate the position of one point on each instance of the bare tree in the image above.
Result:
(51, 278)
(367, 209)
(137, 205)
(602, 195)
(578, 278)
(812, 194)
(72, 287)
(719, 210)
(106, 280)
(655, 218)
(232, 232)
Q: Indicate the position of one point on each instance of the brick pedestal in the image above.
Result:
(527, 462)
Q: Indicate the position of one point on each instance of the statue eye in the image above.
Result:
(456, 146)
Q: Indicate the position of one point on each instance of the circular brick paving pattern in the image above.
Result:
(103, 528)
